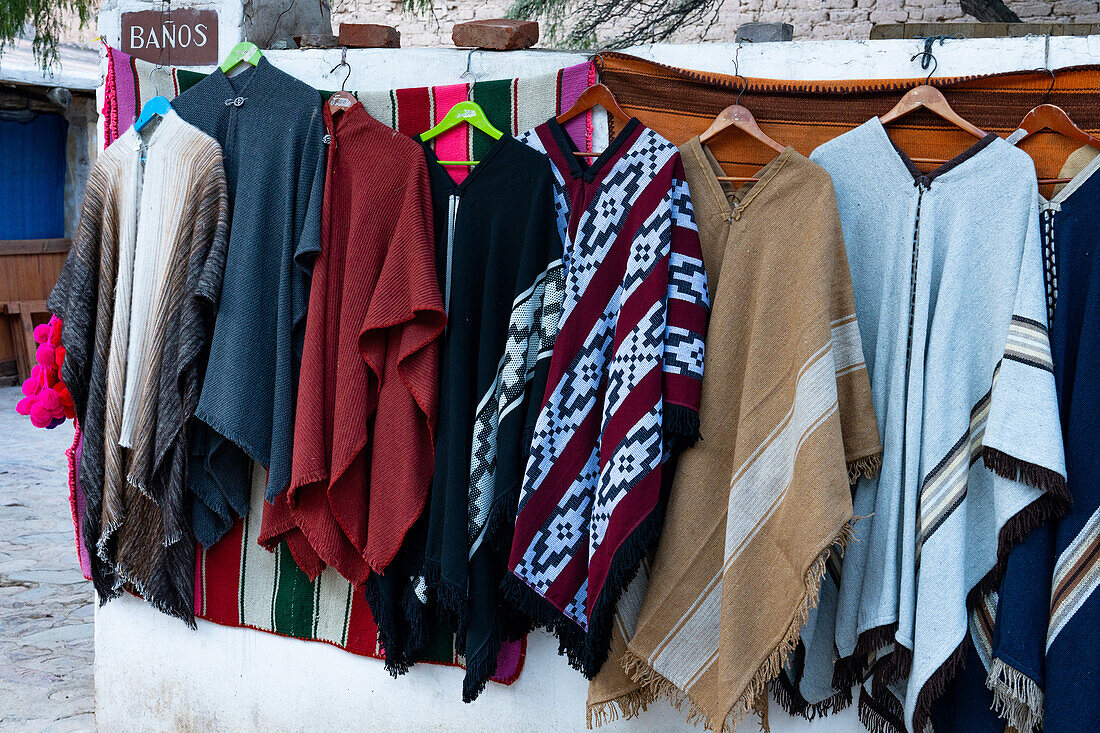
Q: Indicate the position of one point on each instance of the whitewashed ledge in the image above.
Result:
(153, 674)
(381, 69)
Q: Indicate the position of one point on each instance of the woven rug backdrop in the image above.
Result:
(681, 103)
(238, 583)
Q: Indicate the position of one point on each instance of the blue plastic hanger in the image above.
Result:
(156, 106)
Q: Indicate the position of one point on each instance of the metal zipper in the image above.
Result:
(452, 215)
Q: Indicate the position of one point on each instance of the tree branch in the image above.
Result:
(990, 11)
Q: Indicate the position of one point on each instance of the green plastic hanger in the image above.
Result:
(472, 114)
(245, 51)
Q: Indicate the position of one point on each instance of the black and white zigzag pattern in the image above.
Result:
(532, 329)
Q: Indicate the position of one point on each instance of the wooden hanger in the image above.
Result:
(243, 52)
(928, 97)
(740, 118)
(595, 95)
(467, 112)
(932, 99)
(1052, 118)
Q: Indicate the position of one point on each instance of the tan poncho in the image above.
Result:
(786, 421)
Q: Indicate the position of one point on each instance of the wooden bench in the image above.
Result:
(28, 271)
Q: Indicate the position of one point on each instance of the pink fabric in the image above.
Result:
(574, 80)
(125, 93)
(455, 143)
(76, 500)
(509, 661)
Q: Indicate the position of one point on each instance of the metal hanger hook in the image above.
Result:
(343, 62)
(744, 87)
(737, 73)
(927, 58)
(469, 58)
(1053, 79)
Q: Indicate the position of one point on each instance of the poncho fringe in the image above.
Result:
(791, 700)
(654, 685)
(588, 652)
(1016, 697)
(1051, 504)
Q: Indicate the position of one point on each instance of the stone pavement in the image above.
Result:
(46, 606)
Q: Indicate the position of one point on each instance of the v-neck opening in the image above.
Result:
(249, 73)
(589, 171)
(471, 174)
(742, 196)
(921, 178)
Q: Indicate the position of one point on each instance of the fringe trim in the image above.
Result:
(480, 666)
(937, 684)
(1051, 505)
(587, 650)
(623, 707)
(451, 603)
(774, 664)
(754, 698)
(654, 686)
(853, 670)
(880, 716)
(1014, 469)
(894, 666)
(624, 565)
(1016, 697)
(545, 615)
(681, 423)
(867, 467)
(790, 699)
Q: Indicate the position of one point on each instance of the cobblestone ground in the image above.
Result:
(46, 622)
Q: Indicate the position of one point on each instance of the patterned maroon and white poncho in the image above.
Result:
(624, 385)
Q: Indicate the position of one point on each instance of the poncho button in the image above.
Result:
(239, 101)
(326, 139)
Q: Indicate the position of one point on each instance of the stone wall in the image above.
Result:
(818, 19)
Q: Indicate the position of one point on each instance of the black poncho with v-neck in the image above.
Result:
(271, 131)
(499, 260)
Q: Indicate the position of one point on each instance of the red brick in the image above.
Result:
(496, 34)
(369, 35)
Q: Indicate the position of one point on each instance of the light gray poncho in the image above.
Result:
(949, 291)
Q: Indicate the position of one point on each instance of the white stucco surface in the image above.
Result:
(152, 673)
(155, 674)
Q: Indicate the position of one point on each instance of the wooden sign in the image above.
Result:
(184, 37)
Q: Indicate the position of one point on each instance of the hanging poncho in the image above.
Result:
(624, 383)
(1037, 655)
(949, 293)
(499, 259)
(137, 296)
(786, 420)
(368, 390)
(270, 128)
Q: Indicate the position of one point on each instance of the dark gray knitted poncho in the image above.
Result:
(270, 128)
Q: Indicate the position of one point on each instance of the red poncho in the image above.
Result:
(368, 390)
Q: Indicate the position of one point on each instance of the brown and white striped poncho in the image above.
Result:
(786, 420)
(137, 296)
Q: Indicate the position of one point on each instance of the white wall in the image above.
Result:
(816, 19)
(153, 674)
